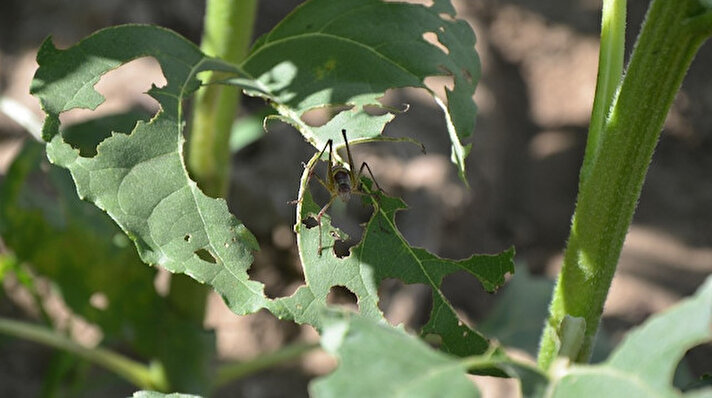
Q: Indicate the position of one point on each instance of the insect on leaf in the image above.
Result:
(384, 253)
(140, 179)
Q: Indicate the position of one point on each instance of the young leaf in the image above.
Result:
(358, 49)
(644, 363)
(140, 179)
(377, 360)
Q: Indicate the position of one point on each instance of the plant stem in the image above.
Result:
(145, 377)
(234, 371)
(611, 188)
(227, 35)
(610, 72)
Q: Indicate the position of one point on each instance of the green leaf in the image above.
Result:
(363, 48)
(83, 252)
(140, 179)
(377, 360)
(644, 363)
(384, 253)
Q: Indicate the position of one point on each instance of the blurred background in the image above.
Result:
(539, 62)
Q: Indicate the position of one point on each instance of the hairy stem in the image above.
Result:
(227, 35)
(612, 183)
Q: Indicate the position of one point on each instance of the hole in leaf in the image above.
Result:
(341, 296)
(319, 116)
(206, 256)
(187, 237)
(432, 38)
(347, 224)
(693, 371)
(393, 101)
(126, 102)
(438, 84)
(342, 247)
(277, 271)
(404, 303)
(447, 17)
(123, 88)
(310, 222)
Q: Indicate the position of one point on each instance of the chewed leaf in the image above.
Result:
(140, 179)
(384, 253)
(389, 253)
(644, 363)
(377, 360)
(354, 64)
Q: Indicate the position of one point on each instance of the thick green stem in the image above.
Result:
(145, 377)
(608, 195)
(227, 35)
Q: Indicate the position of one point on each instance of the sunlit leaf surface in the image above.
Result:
(139, 178)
